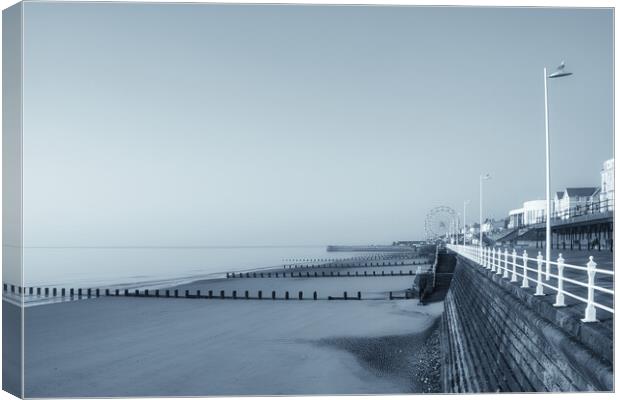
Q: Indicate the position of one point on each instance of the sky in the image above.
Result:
(223, 125)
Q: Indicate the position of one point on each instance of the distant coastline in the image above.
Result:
(333, 248)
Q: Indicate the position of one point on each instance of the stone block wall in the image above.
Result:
(492, 340)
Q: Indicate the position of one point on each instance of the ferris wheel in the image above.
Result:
(439, 221)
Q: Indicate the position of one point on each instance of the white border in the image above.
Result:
(479, 3)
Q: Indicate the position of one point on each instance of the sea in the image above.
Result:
(153, 267)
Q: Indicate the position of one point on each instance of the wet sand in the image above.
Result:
(136, 346)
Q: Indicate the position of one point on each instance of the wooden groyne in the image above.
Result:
(316, 274)
(69, 294)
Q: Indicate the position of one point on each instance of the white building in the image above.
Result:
(575, 201)
(607, 186)
(515, 218)
(493, 226)
(534, 211)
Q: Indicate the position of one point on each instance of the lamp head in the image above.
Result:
(560, 71)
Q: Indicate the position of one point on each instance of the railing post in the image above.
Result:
(505, 275)
(513, 278)
(488, 257)
(548, 268)
(559, 298)
(499, 262)
(492, 263)
(590, 309)
(525, 282)
(539, 285)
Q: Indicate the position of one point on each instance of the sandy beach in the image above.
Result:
(188, 347)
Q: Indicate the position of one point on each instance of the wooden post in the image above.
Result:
(210, 293)
(314, 295)
(273, 295)
(301, 295)
(47, 292)
(359, 295)
(234, 294)
(107, 292)
(71, 292)
(247, 294)
(176, 293)
(137, 292)
(115, 292)
(62, 292)
(390, 295)
(260, 294)
(286, 295)
(126, 292)
(198, 293)
(222, 294)
(345, 295)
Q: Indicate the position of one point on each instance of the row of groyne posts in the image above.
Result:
(315, 274)
(80, 293)
(84, 293)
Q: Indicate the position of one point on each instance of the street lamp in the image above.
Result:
(465, 203)
(559, 73)
(482, 178)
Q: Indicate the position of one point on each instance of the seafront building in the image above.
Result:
(569, 202)
(532, 212)
(575, 200)
(607, 186)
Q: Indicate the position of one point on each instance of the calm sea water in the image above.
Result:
(152, 267)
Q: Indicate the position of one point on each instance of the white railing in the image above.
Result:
(515, 267)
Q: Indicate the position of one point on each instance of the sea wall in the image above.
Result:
(494, 339)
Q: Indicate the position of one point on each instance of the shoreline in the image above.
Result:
(158, 346)
(185, 282)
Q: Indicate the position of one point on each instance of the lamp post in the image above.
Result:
(465, 203)
(482, 178)
(559, 73)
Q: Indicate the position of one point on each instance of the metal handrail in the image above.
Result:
(513, 266)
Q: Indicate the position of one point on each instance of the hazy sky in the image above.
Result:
(148, 124)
